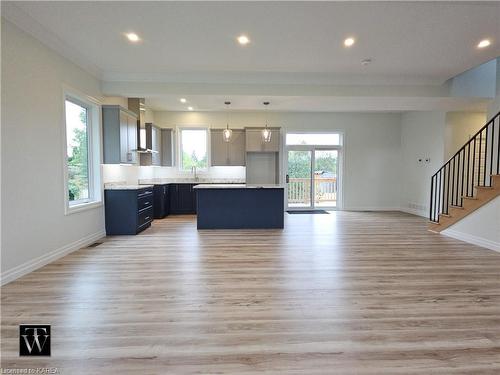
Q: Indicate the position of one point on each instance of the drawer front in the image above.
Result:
(144, 202)
(145, 217)
(144, 192)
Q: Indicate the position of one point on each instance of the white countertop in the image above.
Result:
(238, 186)
(201, 180)
(125, 187)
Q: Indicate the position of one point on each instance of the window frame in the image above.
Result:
(179, 142)
(94, 151)
(339, 133)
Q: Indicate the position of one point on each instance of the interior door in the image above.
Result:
(299, 179)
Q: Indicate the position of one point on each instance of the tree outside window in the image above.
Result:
(194, 148)
(77, 152)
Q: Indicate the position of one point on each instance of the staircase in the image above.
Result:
(468, 180)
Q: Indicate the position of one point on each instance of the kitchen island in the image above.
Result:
(239, 206)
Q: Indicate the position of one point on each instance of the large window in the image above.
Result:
(82, 173)
(77, 142)
(193, 149)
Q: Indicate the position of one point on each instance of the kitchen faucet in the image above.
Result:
(193, 171)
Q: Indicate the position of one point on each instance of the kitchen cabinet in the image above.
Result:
(161, 201)
(128, 211)
(230, 153)
(167, 148)
(254, 142)
(119, 135)
(153, 143)
(182, 199)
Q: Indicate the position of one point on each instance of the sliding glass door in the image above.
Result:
(325, 178)
(313, 171)
(299, 179)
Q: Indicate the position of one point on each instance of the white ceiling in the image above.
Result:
(408, 41)
(294, 43)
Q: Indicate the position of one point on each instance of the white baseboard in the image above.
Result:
(414, 211)
(30, 266)
(469, 238)
(371, 208)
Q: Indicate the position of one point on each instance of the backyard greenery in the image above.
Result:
(78, 176)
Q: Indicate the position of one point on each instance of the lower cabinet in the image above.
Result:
(182, 199)
(128, 211)
(161, 198)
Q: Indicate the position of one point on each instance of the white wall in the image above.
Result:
(494, 107)
(476, 82)
(459, 128)
(422, 136)
(372, 146)
(481, 228)
(34, 226)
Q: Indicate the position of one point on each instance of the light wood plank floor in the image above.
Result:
(346, 293)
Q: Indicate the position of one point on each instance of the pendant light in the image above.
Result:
(266, 132)
(227, 133)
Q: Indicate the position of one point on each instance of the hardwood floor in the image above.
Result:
(346, 293)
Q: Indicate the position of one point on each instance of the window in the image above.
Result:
(193, 149)
(317, 139)
(82, 150)
(77, 152)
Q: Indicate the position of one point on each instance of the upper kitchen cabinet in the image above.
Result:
(255, 143)
(167, 148)
(119, 127)
(153, 146)
(230, 153)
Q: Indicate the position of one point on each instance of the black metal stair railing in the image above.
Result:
(472, 165)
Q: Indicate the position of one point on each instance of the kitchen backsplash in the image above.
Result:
(131, 173)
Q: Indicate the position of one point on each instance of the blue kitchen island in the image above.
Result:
(238, 206)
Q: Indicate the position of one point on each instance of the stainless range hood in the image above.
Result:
(138, 106)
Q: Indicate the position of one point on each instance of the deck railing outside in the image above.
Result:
(299, 190)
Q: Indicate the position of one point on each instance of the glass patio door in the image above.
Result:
(299, 179)
(325, 185)
(312, 178)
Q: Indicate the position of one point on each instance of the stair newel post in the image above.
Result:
(447, 165)
(438, 204)
(479, 159)
(431, 212)
(498, 146)
(485, 156)
(468, 168)
(462, 178)
(492, 145)
(473, 166)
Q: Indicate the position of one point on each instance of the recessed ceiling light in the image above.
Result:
(133, 37)
(183, 100)
(243, 39)
(484, 43)
(190, 108)
(349, 42)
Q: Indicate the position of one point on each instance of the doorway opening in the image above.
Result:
(313, 171)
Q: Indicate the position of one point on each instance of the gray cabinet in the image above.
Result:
(119, 135)
(167, 148)
(153, 143)
(254, 142)
(230, 153)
